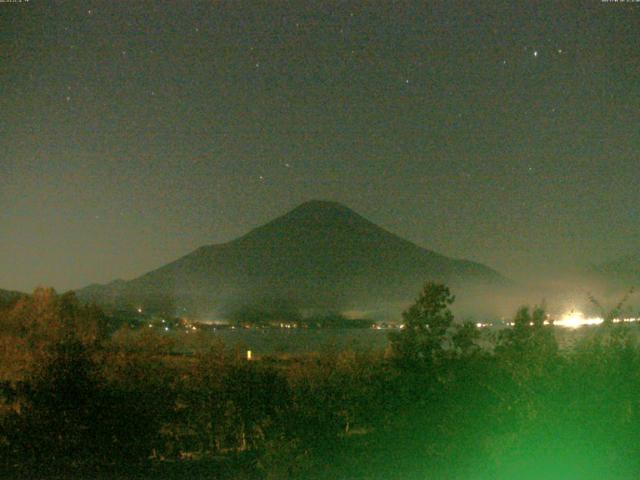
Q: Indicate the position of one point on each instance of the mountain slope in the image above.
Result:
(319, 255)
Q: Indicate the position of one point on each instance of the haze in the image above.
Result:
(134, 132)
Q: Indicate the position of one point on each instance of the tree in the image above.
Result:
(530, 337)
(424, 336)
(617, 312)
(64, 415)
(465, 337)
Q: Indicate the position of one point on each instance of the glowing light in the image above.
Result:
(576, 319)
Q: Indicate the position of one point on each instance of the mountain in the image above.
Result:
(321, 255)
(108, 293)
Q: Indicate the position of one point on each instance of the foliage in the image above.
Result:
(82, 405)
(529, 337)
(617, 312)
(426, 325)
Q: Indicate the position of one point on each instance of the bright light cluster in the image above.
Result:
(575, 319)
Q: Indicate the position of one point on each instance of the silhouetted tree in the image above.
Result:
(530, 337)
(424, 336)
(465, 337)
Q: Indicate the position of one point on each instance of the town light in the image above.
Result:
(576, 319)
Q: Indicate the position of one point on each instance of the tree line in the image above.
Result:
(78, 400)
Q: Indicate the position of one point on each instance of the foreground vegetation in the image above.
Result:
(80, 401)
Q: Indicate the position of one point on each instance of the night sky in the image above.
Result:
(133, 132)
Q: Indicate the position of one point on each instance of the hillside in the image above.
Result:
(320, 255)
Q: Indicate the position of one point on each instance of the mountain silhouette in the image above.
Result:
(320, 255)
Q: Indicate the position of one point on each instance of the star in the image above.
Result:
(535, 53)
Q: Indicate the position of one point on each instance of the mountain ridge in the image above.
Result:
(321, 255)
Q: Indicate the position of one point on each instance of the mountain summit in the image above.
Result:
(320, 255)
